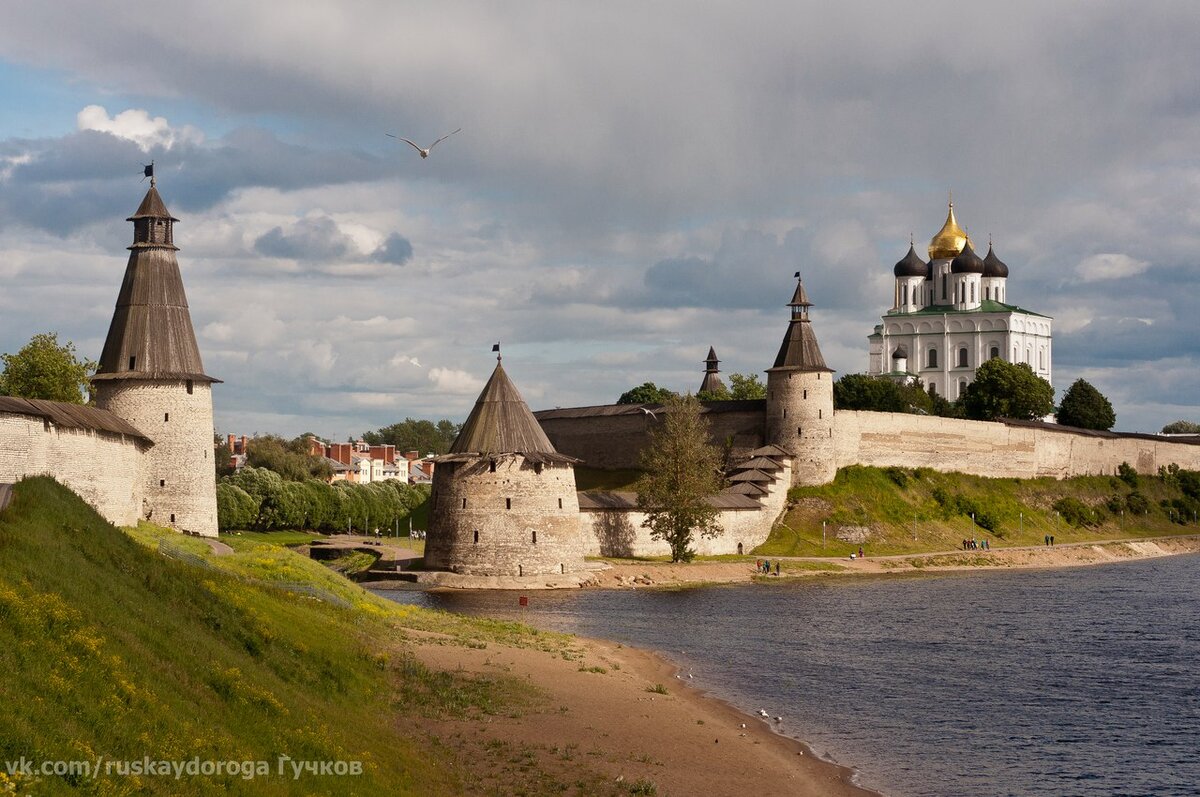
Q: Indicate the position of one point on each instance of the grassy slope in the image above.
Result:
(868, 497)
(107, 647)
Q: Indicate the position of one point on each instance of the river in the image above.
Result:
(1078, 681)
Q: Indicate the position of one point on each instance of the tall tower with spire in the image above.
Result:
(150, 374)
(504, 500)
(799, 415)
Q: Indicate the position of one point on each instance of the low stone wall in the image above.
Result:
(104, 468)
(998, 450)
(620, 533)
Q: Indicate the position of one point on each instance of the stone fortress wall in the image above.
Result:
(179, 477)
(998, 450)
(104, 468)
(618, 532)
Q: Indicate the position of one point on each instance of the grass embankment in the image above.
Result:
(899, 511)
(110, 648)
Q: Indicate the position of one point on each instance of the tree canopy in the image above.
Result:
(742, 387)
(45, 370)
(1085, 407)
(289, 458)
(426, 437)
(681, 471)
(1181, 427)
(1007, 390)
(879, 394)
(646, 393)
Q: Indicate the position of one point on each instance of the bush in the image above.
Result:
(1137, 504)
(899, 476)
(1127, 474)
(1077, 513)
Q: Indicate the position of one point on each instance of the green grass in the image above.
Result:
(289, 539)
(605, 480)
(109, 647)
(900, 511)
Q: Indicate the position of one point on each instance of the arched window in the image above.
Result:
(962, 357)
(972, 292)
(904, 294)
(943, 287)
(1041, 359)
(962, 387)
(931, 360)
(994, 353)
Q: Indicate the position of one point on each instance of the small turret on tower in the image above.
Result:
(151, 375)
(712, 380)
(799, 415)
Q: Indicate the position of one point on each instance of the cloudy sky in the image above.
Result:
(633, 183)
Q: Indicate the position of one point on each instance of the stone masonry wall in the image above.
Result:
(516, 520)
(995, 449)
(180, 480)
(614, 441)
(620, 533)
(104, 469)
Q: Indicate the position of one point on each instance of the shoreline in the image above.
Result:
(602, 707)
(684, 739)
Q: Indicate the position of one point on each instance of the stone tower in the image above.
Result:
(800, 399)
(503, 501)
(150, 374)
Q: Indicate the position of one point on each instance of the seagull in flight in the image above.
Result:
(424, 152)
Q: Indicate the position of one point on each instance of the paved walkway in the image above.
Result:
(218, 548)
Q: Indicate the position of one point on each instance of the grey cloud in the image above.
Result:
(396, 249)
(309, 239)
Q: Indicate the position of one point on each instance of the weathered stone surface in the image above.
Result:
(104, 469)
(179, 487)
(504, 516)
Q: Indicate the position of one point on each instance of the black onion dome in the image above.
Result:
(994, 266)
(967, 262)
(911, 266)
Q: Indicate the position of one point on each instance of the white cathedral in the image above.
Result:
(950, 314)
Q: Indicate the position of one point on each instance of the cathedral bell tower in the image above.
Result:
(150, 374)
(799, 415)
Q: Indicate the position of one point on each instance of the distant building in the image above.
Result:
(950, 314)
(712, 380)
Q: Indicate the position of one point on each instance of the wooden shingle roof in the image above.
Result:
(501, 423)
(70, 416)
(151, 334)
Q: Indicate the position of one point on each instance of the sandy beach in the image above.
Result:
(595, 723)
(595, 720)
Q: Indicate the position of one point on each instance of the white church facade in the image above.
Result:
(950, 314)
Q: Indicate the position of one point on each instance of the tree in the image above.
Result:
(1181, 427)
(1007, 390)
(646, 393)
(290, 459)
(416, 435)
(1085, 407)
(880, 394)
(746, 386)
(45, 370)
(681, 471)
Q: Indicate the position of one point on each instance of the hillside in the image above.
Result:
(109, 648)
(898, 510)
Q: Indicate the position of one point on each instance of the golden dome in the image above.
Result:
(949, 241)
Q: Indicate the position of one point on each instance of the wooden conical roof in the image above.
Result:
(501, 423)
(799, 350)
(151, 334)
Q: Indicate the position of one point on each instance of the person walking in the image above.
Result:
(776, 567)
(1047, 539)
